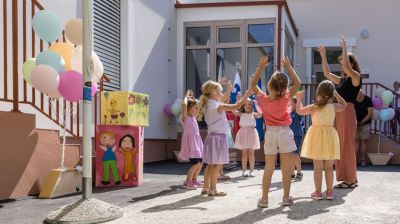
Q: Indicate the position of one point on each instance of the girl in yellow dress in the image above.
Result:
(321, 143)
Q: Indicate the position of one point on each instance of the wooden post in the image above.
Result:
(15, 55)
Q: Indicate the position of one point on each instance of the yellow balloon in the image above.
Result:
(65, 51)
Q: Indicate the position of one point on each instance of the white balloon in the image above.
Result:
(392, 113)
(76, 63)
(379, 91)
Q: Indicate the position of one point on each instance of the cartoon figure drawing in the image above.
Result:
(128, 150)
(109, 159)
(113, 112)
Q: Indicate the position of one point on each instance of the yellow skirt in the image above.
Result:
(321, 143)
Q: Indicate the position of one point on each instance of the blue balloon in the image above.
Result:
(51, 59)
(47, 25)
(385, 115)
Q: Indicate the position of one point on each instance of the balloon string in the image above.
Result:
(64, 129)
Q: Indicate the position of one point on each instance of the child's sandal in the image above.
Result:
(216, 194)
(204, 191)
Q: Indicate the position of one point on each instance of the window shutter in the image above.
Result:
(107, 40)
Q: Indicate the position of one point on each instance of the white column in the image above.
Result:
(87, 68)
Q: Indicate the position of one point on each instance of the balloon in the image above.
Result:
(176, 109)
(375, 115)
(76, 63)
(55, 95)
(71, 85)
(386, 114)
(178, 101)
(27, 68)
(47, 25)
(52, 59)
(73, 31)
(379, 91)
(391, 113)
(45, 79)
(65, 51)
(168, 110)
(387, 97)
(377, 103)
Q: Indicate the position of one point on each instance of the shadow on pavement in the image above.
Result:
(301, 210)
(177, 189)
(182, 204)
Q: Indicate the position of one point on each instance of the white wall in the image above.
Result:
(210, 14)
(153, 73)
(327, 19)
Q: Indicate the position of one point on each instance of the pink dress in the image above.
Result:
(191, 144)
(247, 136)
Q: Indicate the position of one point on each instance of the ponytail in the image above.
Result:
(203, 102)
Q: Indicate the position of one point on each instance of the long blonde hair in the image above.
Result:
(206, 89)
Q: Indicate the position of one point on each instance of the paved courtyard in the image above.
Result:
(161, 200)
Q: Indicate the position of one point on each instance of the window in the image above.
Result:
(261, 33)
(289, 46)
(197, 36)
(198, 57)
(227, 48)
(106, 39)
(331, 56)
(229, 35)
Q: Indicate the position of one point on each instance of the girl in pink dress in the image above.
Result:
(247, 138)
(191, 145)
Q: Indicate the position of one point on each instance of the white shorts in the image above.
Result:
(278, 139)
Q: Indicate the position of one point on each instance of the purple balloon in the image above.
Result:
(168, 110)
(378, 104)
(71, 85)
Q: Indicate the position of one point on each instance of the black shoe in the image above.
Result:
(105, 182)
(292, 176)
(118, 183)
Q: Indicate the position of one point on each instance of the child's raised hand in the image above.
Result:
(342, 41)
(248, 93)
(223, 80)
(189, 94)
(286, 62)
(229, 86)
(264, 61)
(322, 51)
(299, 95)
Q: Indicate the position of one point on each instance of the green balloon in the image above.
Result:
(27, 68)
(387, 97)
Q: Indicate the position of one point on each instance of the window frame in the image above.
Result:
(243, 24)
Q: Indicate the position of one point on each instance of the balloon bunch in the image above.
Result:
(57, 71)
(173, 109)
(382, 99)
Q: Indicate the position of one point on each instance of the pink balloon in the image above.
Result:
(71, 85)
(168, 110)
(94, 88)
(378, 104)
(45, 79)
